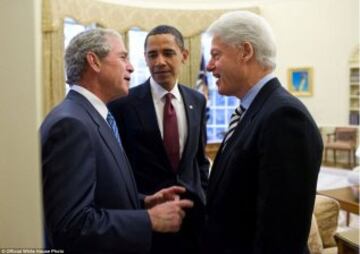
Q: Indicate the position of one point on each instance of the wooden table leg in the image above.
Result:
(347, 218)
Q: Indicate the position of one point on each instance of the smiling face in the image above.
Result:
(227, 66)
(164, 59)
(115, 69)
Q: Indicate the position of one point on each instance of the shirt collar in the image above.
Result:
(251, 94)
(98, 104)
(158, 91)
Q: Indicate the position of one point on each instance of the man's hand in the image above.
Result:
(164, 195)
(167, 217)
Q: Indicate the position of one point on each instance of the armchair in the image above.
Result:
(323, 226)
(343, 139)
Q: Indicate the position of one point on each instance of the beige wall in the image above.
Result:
(20, 50)
(321, 34)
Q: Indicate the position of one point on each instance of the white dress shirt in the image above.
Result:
(98, 104)
(158, 95)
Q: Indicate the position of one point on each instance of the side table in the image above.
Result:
(348, 241)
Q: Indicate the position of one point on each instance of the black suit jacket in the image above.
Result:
(90, 197)
(262, 185)
(136, 116)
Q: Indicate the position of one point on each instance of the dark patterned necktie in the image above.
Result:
(171, 133)
(235, 119)
(110, 119)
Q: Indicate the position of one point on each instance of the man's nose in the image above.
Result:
(130, 68)
(160, 60)
(210, 66)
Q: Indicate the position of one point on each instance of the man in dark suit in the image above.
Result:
(263, 181)
(145, 130)
(90, 197)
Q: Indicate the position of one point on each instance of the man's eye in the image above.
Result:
(168, 54)
(215, 56)
(151, 56)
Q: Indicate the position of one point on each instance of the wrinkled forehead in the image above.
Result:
(218, 43)
(116, 42)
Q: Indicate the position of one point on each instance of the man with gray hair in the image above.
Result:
(263, 181)
(91, 203)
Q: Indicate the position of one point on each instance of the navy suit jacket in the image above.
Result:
(138, 126)
(90, 197)
(262, 185)
(136, 118)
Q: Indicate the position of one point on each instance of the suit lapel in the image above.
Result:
(144, 106)
(190, 111)
(221, 160)
(110, 141)
(121, 159)
(145, 109)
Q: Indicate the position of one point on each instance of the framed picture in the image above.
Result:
(300, 81)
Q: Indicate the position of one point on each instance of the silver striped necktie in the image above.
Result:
(235, 119)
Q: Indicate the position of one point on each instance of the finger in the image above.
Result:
(176, 189)
(168, 196)
(185, 203)
(182, 213)
(160, 196)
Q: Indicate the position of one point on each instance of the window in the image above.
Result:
(136, 55)
(220, 107)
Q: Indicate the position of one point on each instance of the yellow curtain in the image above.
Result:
(191, 68)
(125, 38)
(53, 63)
(121, 18)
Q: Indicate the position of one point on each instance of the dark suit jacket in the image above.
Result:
(262, 185)
(90, 197)
(136, 116)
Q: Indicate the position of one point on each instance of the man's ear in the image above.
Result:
(185, 55)
(246, 51)
(93, 61)
(146, 59)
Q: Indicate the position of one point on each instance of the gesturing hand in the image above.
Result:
(167, 217)
(164, 195)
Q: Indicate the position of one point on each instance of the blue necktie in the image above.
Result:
(110, 119)
(124, 163)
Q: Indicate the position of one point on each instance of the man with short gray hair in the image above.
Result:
(262, 185)
(91, 203)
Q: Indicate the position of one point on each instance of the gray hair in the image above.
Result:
(94, 40)
(235, 28)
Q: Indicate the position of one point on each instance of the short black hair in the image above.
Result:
(165, 29)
